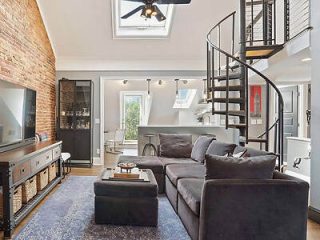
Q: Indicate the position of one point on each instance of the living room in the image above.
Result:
(138, 119)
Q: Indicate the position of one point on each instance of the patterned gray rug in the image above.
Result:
(69, 214)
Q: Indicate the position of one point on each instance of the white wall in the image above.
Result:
(315, 105)
(163, 98)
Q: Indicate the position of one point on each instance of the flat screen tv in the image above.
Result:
(17, 116)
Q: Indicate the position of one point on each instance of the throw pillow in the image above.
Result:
(220, 148)
(261, 167)
(200, 148)
(175, 145)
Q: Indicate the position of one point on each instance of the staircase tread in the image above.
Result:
(232, 76)
(231, 88)
(231, 100)
(257, 140)
(238, 125)
(234, 112)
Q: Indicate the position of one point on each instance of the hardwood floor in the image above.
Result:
(313, 228)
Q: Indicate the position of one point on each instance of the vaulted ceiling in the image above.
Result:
(82, 37)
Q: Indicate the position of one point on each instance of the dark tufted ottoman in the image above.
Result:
(126, 203)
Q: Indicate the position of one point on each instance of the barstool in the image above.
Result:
(65, 157)
(149, 146)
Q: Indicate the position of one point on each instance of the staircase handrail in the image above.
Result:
(265, 78)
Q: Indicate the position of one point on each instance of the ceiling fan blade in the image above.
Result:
(173, 1)
(132, 12)
(160, 17)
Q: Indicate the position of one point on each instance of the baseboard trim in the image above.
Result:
(97, 161)
(314, 214)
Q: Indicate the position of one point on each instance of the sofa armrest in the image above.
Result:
(254, 209)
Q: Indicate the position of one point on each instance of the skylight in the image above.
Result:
(136, 26)
(184, 98)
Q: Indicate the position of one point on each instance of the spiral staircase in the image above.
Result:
(229, 72)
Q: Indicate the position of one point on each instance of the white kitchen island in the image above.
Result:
(196, 130)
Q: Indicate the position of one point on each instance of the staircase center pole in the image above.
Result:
(244, 106)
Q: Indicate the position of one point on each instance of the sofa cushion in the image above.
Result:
(200, 148)
(190, 189)
(175, 145)
(220, 148)
(251, 152)
(144, 162)
(169, 161)
(260, 167)
(178, 171)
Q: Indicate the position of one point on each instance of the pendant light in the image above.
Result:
(148, 82)
(177, 87)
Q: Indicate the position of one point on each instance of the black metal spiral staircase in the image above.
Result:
(228, 72)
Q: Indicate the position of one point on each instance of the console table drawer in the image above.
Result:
(56, 152)
(21, 171)
(41, 160)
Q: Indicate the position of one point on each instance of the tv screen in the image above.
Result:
(18, 114)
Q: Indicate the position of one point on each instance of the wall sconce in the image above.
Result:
(177, 87)
(125, 82)
(160, 82)
(148, 82)
(185, 81)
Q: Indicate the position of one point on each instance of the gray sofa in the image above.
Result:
(228, 209)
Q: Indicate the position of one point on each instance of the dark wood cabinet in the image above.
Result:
(75, 119)
(16, 167)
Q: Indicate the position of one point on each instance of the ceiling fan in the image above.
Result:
(149, 10)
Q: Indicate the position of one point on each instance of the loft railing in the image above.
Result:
(215, 55)
(297, 17)
(261, 22)
(271, 22)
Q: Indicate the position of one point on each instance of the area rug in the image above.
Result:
(69, 214)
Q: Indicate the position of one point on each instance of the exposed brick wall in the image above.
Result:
(26, 56)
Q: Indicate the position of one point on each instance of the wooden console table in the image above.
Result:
(18, 165)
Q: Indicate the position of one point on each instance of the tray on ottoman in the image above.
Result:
(126, 202)
(136, 175)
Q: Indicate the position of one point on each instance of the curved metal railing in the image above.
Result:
(212, 49)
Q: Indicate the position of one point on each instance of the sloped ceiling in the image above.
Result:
(81, 35)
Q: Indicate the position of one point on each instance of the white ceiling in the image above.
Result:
(81, 35)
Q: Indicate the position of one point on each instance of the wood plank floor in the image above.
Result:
(313, 228)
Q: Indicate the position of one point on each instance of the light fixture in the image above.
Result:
(160, 82)
(185, 81)
(205, 89)
(306, 59)
(125, 82)
(177, 87)
(148, 82)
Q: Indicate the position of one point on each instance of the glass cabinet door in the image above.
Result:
(82, 105)
(67, 94)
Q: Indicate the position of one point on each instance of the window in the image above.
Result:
(136, 26)
(132, 113)
(185, 98)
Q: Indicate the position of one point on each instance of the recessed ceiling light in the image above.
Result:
(306, 59)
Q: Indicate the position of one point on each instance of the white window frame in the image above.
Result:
(123, 94)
